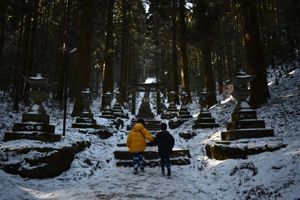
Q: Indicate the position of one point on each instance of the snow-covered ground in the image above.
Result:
(93, 174)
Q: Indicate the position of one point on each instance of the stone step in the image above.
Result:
(244, 114)
(154, 163)
(221, 150)
(86, 115)
(151, 153)
(246, 123)
(151, 125)
(247, 133)
(205, 125)
(204, 115)
(178, 157)
(32, 135)
(36, 117)
(205, 120)
(85, 120)
(86, 125)
(184, 116)
(33, 127)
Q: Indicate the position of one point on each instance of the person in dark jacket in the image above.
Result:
(165, 142)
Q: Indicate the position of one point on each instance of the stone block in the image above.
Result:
(247, 133)
(246, 123)
(30, 135)
(34, 117)
(228, 150)
(47, 128)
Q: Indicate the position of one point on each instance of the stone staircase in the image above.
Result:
(34, 126)
(245, 135)
(178, 157)
(124, 158)
(205, 120)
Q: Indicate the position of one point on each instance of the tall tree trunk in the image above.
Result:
(209, 81)
(30, 64)
(83, 67)
(183, 50)
(22, 58)
(220, 72)
(3, 5)
(62, 53)
(108, 81)
(259, 93)
(173, 71)
(124, 51)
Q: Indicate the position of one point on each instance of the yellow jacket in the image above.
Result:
(136, 141)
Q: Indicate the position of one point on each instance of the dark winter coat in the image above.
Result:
(165, 142)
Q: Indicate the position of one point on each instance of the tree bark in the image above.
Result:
(124, 52)
(183, 50)
(259, 93)
(173, 71)
(83, 67)
(109, 50)
(209, 81)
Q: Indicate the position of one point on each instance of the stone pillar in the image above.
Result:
(35, 123)
(171, 111)
(133, 101)
(107, 112)
(158, 99)
(244, 119)
(204, 119)
(184, 113)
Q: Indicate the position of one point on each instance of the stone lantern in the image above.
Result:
(244, 125)
(37, 94)
(107, 111)
(241, 89)
(172, 95)
(117, 108)
(108, 99)
(183, 98)
(86, 99)
(171, 111)
(35, 123)
(244, 119)
(86, 117)
(204, 119)
(203, 101)
(184, 114)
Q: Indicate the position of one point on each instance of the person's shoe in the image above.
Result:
(135, 171)
(142, 170)
(169, 172)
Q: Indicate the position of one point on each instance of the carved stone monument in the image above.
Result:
(117, 108)
(204, 119)
(171, 111)
(244, 119)
(241, 137)
(86, 117)
(35, 123)
(107, 111)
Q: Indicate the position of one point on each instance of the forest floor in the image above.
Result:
(277, 173)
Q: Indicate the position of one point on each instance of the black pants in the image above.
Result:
(165, 162)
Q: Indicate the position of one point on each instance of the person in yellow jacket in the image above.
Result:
(136, 143)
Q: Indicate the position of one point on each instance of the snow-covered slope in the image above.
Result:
(93, 174)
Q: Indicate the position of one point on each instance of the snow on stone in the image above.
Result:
(93, 174)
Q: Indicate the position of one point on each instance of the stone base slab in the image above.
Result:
(31, 135)
(234, 150)
(247, 133)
